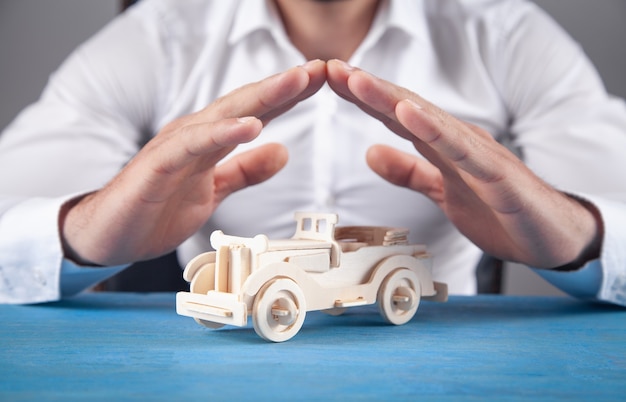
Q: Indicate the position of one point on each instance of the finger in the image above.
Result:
(472, 154)
(455, 147)
(406, 170)
(316, 70)
(209, 141)
(339, 74)
(270, 97)
(249, 168)
(468, 148)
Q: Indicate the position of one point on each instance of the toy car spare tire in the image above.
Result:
(399, 296)
(279, 310)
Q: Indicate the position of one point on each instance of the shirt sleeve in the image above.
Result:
(29, 253)
(76, 278)
(32, 268)
(571, 133)
(95, 113)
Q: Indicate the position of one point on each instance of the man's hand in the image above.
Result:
(485, 190)
(172, 186)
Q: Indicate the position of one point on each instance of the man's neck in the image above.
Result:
(331, 29)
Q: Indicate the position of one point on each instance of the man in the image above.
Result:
(90, 199)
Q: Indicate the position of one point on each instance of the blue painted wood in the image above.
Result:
(116, 346)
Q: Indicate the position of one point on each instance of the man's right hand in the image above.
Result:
(172, 186)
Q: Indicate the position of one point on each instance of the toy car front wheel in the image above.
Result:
(279, 310)
(399, 296)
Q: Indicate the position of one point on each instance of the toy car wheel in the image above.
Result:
(279, 310)
(203, 280)
(209, 324)
(399, 296)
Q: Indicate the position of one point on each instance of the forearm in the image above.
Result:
(603, 278)
(592, 229)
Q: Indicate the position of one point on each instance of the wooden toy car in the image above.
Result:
(322, 267)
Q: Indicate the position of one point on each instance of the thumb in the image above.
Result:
(406, 170)
(249, 168)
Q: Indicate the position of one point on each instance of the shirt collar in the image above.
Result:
(408, 16)
(405, 15)
(253, 15)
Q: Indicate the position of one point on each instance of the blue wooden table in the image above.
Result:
(117, 346)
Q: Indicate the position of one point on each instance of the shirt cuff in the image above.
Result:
(32, 267)
(584, 283)
(613, 255)
(76, 278)
(30, 251)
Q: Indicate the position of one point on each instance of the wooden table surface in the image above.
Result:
(119, 346)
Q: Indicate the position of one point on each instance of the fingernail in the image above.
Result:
(345, 66)
(413, 104)
(307, 66)
(245, 119)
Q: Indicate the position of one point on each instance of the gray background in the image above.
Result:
(36, 35)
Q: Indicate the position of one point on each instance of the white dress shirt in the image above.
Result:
(503, 65)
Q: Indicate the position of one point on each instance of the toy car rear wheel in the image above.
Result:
(278, 311)
(399, 296)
